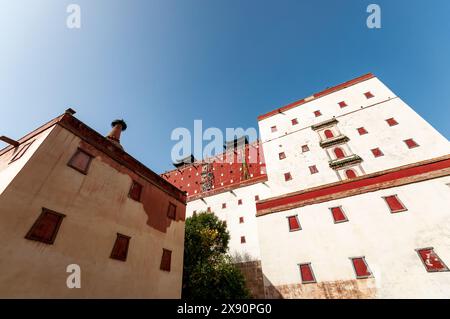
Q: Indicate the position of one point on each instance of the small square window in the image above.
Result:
(241, 220)
(20, 152)
(338, 215)
(411, 143)
(394, 203)
(293, 223)
(313, 169)
(45, 227)
(317, 113)
(361, 268)
(306, 273)
(120, 248)
(208, 209)
(166, 260)
(281, 155)
(80, 161)
(431, 260)
(239, 201)
(391, 121)
(287, 176)
(224, 205)
(362, 130)
(273, 129)
(369, 95)
(342, 104)
(242, 239)
(377, 152)
(305, 148)
(256, 197)
(135, 191)
(172, 211)
(294, 121)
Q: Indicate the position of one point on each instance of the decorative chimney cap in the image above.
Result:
(121, 122)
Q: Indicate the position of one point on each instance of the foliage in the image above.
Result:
(208, 271)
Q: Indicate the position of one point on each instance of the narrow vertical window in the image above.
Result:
(45, 227)
(208, 209)
(293, 223)
(328, 134)
(339, 152)
(361, 268)
(287, 176)
(376, 152)
(313, 169)
(281, 155)
(394, 203)
(166, 260)
(317, 113)
(239, 201)
(362, 130)
(256, 198)
(224, 205)
(338, 214)
(411, 143)
(273, 129)
(350, 173)
(306, 273)
(135, 191)
(391, 121)
(172, 211)
(242, 239)
(342, 104)
(21, 151)
(80, 161)
(431, 260)
(241, 220)
(294, 121)
(369, 95)
(305, 148)
(120, 248)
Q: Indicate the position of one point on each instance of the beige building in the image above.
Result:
(70, 196)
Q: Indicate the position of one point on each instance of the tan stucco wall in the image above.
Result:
(97, 207)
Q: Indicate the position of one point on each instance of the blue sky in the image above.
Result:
(161, 64)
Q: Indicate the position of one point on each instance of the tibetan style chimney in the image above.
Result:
(117, 127)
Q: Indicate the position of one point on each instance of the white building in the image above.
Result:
(355, 203)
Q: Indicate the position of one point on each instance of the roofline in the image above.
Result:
(89, 135)
(315, 96)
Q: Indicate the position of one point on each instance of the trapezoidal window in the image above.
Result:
(313, 169)
(22, 150)
(431, 260)
(120, 248)
(135, 191)
(369, 95)
(166, 260)
(294, 121)
(411, 143)
(293, 223)
(338, 214)
(376, 152)
(361, 268)
(306, 273)
(342, 104)
(281, 155)
(305, 148)
(242, 239)
(391, 121)
(81, 161)
(287, 176)
(273, 129)
(172, 211)
(45, 227)
(328, 134)
(394, 204)
(317, 113)
(241, 220)
(339, 152)
(350, 173)
(362, 130)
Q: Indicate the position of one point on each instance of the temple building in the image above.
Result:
(70, 196)
(348, 196)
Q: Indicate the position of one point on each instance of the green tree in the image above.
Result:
(208, 271)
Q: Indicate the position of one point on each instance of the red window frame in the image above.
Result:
(293, 223)
(377, 152)
(361, 267)
(166, 260)
(350, 173)
(294, 121)
(362, 130)
(224, 205)
(305, 148)
(135, 191)
(287, 176)
(410, 143)
(172, 211)
(46, 227)
(342, 104)
(339, 152)
(317, 113)
(391, 121)
(313, 169)
(307, 273)
(243, 240)
(281, 155)
(120, 248)
(394, 204)
(256, 197)
(338, 214)
(72, 162)
(368, 95)
(241, 220)
(239, 201)
(430, 260)
(328, 133)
